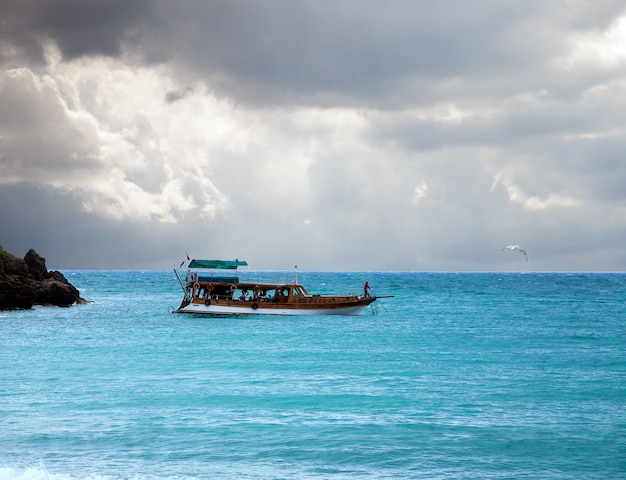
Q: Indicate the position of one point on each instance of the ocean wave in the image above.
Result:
(40, 472)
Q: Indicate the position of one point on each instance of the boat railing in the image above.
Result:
(267, 277)
(191, 276)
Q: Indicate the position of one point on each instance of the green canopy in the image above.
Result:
(219, 264)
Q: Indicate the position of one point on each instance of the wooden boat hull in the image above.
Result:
(327, 306)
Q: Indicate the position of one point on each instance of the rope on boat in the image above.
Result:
(383, 305)
(374, 305)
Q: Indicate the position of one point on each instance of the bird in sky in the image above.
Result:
(518, 248)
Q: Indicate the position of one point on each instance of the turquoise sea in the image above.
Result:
(461, 375)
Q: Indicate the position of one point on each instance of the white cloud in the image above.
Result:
(420, 191)
(534, 203)
(606, 48)
(117, 142)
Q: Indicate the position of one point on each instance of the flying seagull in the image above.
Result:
(516, 247)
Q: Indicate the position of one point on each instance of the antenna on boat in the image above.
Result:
(295, 281)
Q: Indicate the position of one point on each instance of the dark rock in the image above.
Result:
(36, 265)
(12, 265)
(24, 283)
(15, 293)
(54, 292)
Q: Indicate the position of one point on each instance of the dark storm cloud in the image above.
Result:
(380, 54)
(54, 224)
(337, 49)
(279, 51)
(93, 27)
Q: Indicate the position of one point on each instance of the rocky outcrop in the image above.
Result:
(27, 282)
(36, 265)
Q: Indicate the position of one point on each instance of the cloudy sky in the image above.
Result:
(335, 135)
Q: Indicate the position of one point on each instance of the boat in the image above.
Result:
(213, 287)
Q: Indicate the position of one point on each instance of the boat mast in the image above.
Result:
(182, 285)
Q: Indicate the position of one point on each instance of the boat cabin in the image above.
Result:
(248, 291)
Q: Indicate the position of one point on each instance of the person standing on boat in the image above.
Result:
(366, 290)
